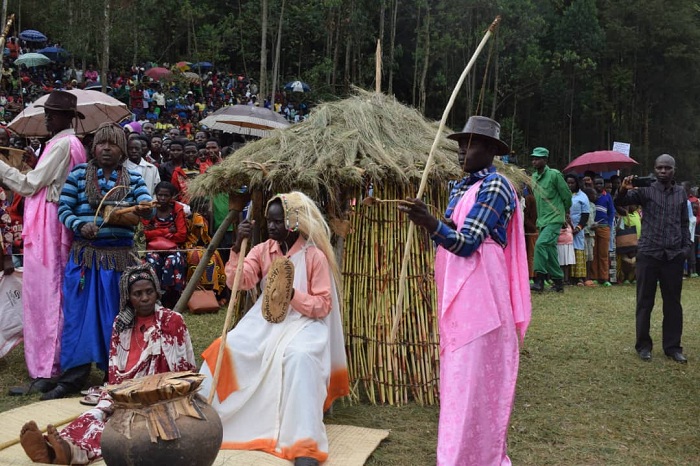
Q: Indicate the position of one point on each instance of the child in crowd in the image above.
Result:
(565, 248)
(590, 236)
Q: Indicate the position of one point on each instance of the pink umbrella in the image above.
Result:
(159, 73)
(600, 161)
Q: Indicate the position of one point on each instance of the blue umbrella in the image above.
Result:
(203, 64)
(30, 35)
(54, 53)
(297, 86)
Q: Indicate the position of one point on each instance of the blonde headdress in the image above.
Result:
(303, 215)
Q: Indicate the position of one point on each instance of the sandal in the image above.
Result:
(90, 400)
(94, 390)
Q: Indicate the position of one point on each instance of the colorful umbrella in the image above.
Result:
(159, 74)
(54, 53)
(97, 107)
(600, 161)
(245, 119)
(30, 35)
(204, 65)
(191, 77)
(183, 65)
(297, 86)
(32, 59)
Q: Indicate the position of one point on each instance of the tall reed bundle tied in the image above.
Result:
(408, 369)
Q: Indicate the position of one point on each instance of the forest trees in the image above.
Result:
(571, 75)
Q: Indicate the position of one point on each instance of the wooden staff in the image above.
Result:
(13, 150)
(424, 180)
(378, 68)
(227, 322)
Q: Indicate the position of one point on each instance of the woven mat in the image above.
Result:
(349, 445)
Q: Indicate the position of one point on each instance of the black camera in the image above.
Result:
(642, 181)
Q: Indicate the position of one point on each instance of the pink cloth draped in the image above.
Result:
(483, 305)
(46, 249)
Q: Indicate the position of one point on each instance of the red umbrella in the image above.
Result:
(600, 161)
(159, 73)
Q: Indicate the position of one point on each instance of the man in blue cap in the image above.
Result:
(553, 202)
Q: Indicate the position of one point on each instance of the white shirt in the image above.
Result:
(148, 172)
(50, 172)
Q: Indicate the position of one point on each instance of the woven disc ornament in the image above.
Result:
(278, 290)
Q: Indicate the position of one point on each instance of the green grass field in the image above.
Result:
(583, 398)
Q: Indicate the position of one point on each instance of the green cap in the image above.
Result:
(539, 152)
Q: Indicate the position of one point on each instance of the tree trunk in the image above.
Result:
(105, 47)
(263, 50)
(426, 62)
(4, 12)
(332, 25)
(571, 111)
(276, 64)
(136, 45)
(336, 48)
(382, 20)
(415, 59)
(392, 48)
(348, 59)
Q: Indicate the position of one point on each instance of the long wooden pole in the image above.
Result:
(204, 261)
(398, 312)
(227, 322)
(378, 68)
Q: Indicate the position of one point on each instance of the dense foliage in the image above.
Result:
(571, 75)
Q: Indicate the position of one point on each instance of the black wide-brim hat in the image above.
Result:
(62, 101)
(482, 127)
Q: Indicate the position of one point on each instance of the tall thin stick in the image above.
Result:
(227, 321)
(426, 172)
(378, 68)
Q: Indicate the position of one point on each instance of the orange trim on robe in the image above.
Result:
(338, 387)
(228, 383)
(306, 447)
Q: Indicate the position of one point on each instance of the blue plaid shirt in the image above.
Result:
(490, 214)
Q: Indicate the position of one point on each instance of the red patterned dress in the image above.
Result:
(163, 344)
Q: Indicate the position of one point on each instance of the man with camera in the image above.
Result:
(662, 250)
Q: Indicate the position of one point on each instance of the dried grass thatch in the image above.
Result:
(367, 138)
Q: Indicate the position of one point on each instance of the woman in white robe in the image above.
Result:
(278, 378)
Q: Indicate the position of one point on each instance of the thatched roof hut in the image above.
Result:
(344, 145)
(368, 143)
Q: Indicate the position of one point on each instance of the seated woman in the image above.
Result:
(166, 232)
(147, 339)
(280, 377)
(198, 239)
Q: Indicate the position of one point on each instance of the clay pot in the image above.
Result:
(198, 444)
(160, 419)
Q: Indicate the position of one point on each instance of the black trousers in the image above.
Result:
(75, 378)
(669, 275)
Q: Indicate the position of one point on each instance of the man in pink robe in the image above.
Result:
(481, 258)
(46, 241)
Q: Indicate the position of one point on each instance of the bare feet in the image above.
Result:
(33, 442)
(60, 446)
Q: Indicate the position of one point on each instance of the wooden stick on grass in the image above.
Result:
(227, 322)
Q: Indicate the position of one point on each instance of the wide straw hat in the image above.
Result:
(63, 101)
(278, 290)
(482, 127)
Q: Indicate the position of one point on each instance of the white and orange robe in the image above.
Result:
(277, 379)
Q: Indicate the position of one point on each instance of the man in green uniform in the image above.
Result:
(553, 201)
